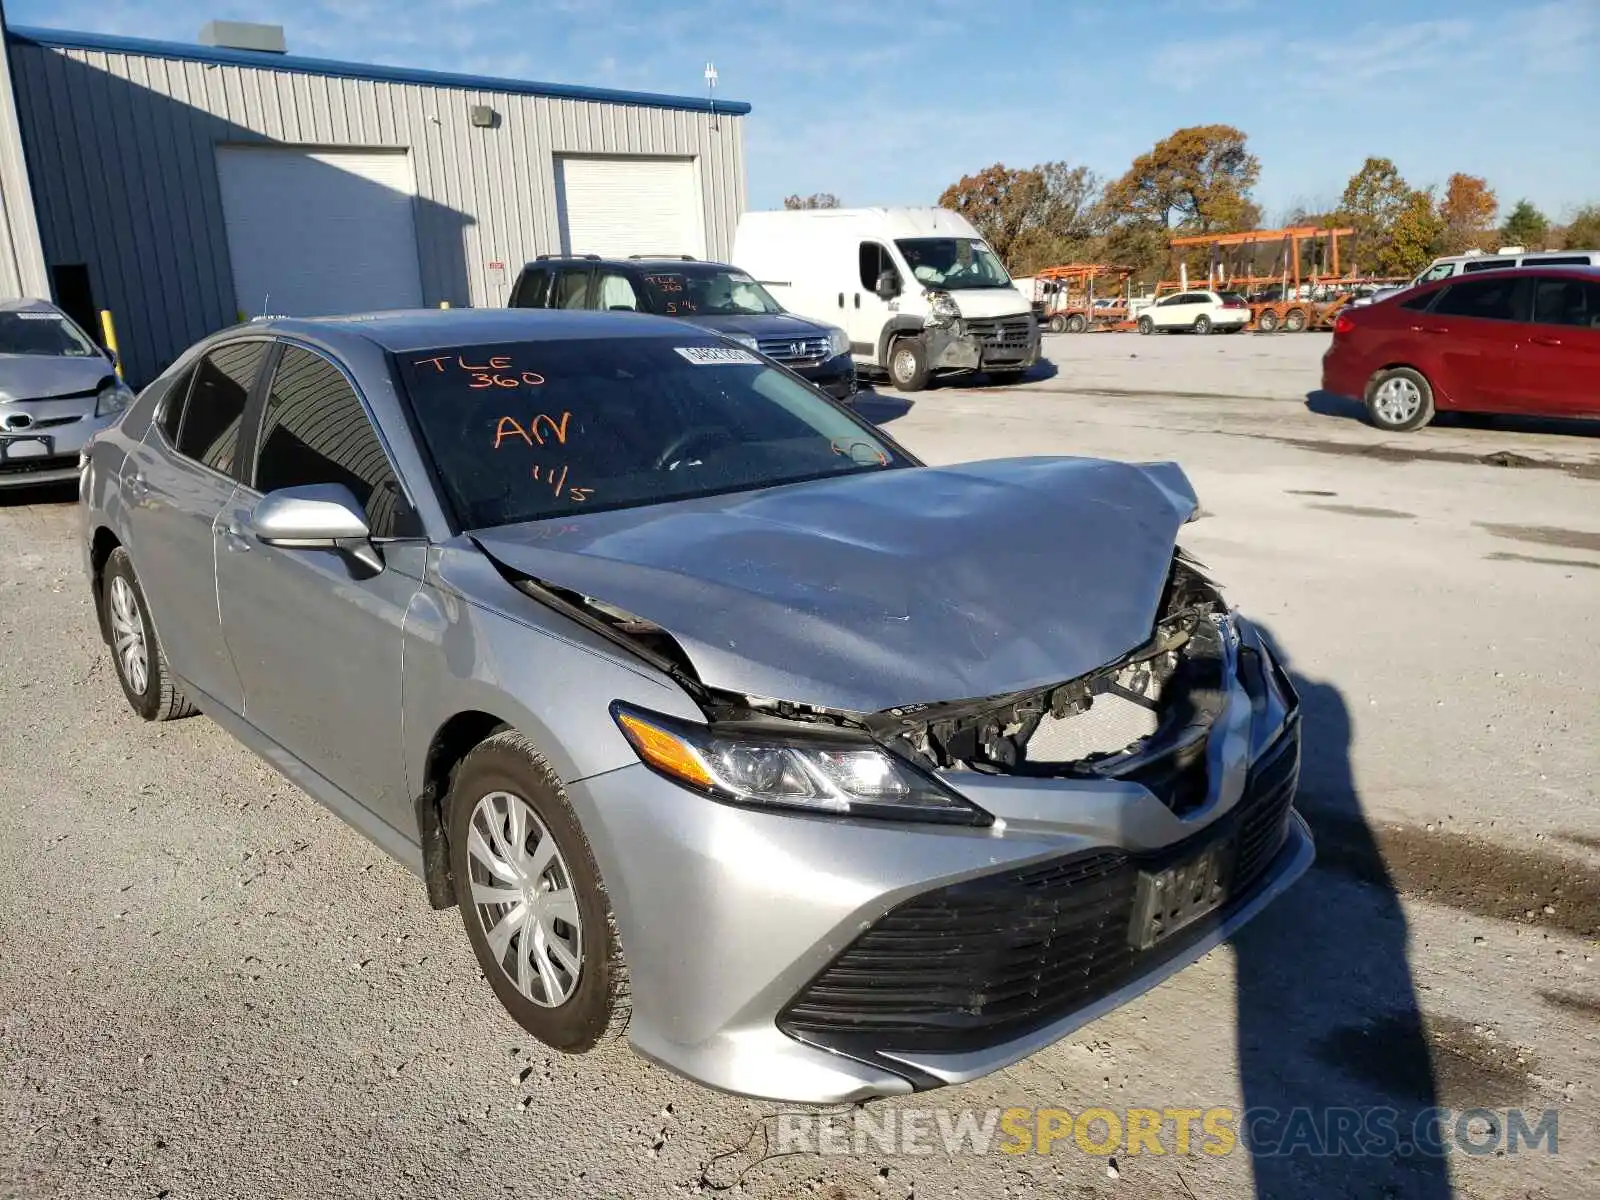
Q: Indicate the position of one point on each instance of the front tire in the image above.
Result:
(1077, 323)
(135, 649)
(532, 900)
(1399, 400)
(1267, 322)
(1202, 325)
(908, 365)
(1146, 326)
(1058, 324)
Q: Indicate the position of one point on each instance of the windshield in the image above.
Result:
(43, 333)
(953, 263)
(527, 430)
(702, 293)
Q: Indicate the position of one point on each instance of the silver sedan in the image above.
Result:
(698, 696)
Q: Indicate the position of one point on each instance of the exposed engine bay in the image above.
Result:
(1174, 685)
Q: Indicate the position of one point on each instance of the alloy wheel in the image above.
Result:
(525, 901)
(1397, 400)
(127, 636)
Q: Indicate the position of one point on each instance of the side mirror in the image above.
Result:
(111, 355)
(317, 516)
(888, 285)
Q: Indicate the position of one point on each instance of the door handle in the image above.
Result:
(1545, 341)
(858, 299)
(136, 487)
(1433, 329)
(841, 299)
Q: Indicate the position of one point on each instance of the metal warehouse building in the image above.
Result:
(183, 187)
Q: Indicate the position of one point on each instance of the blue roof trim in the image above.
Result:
(66, 39)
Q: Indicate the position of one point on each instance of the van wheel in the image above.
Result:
(1295, 320)
(1202, 325)
(1399, 400)
(1146, 325)
(1076, 323)
(908, 365)
(1267, 322)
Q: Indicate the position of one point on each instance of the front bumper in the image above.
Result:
(836, 376)
(732, 919)
(46, 451)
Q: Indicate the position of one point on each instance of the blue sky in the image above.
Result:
(887, 102)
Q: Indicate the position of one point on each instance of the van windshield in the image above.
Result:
(953, 263)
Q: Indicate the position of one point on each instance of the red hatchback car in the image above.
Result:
(1516, 341)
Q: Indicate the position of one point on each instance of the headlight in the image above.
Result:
(838, 342)
(113, 398)
(762, 770)
(942, 307)
(747, 340)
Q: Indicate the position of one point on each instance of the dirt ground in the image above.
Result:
(210, 987)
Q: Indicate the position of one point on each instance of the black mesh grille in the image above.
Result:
(983, 961)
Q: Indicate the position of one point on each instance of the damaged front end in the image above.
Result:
(1147, 717)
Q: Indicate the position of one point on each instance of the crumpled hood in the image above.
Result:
(763, 325)
(887, 589)
(41, 376)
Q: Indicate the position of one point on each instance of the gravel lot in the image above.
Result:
(209, 987)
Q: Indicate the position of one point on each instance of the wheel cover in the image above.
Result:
(1296, 321)
(905, 364)
(524, 898)
(1397, 400)
(127, 636)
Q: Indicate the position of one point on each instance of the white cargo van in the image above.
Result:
(917, 289)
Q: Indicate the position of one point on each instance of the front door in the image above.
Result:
(864, 314)
(178, 482)
(316, 636)
(1559, 367)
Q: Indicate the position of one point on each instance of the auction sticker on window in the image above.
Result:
(718, 356)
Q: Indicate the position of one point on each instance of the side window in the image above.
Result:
(1572, 302)
(1421, 302)
(1490, 299)
(209, 432)
(617, 294)
(572, 289)
(172, 403)
(874, 261)
(1439, 271)
(314, 430)
(1487, 264)
(532, 289)
(1559, 260)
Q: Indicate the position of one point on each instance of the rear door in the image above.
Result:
(178, 482)
(1559, 368)
(1471, 337)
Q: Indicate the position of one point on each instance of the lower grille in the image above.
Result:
(794, 350)
(28, 466)
(980, 962)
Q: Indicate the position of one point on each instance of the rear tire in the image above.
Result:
(1399, 400)
(1267, 322)
(1294, 320)
(908, 365)
(1058, 324)
(136, 651)
(513, 834)
(1077, 323)
(1146, 325)
(1202, 325)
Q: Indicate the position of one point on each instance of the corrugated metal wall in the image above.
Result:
(22, 270)
(124, 171)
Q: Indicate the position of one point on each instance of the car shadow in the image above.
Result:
(1335, 1065)
(877, 407)
(1326, 404)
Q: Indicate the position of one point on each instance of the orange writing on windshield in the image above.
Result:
(534, 433)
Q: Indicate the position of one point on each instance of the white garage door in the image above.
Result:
(317, 232)
(621, 206)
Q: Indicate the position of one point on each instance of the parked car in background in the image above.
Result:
(919, 290)
(713, 295)
(696, 694)
(1510, 341)
(1196, 312)
(57, 390)
(1468, 264)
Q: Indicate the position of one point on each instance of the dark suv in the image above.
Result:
(713, 295)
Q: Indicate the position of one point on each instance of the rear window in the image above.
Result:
(1489, 299)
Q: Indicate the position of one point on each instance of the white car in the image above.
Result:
(1196, 312)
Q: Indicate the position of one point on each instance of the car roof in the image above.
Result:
(1579, 270)
(646, 261)
(405, 330)
(26, 305)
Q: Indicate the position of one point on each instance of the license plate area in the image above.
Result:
(13, 448)
(1177, 896)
